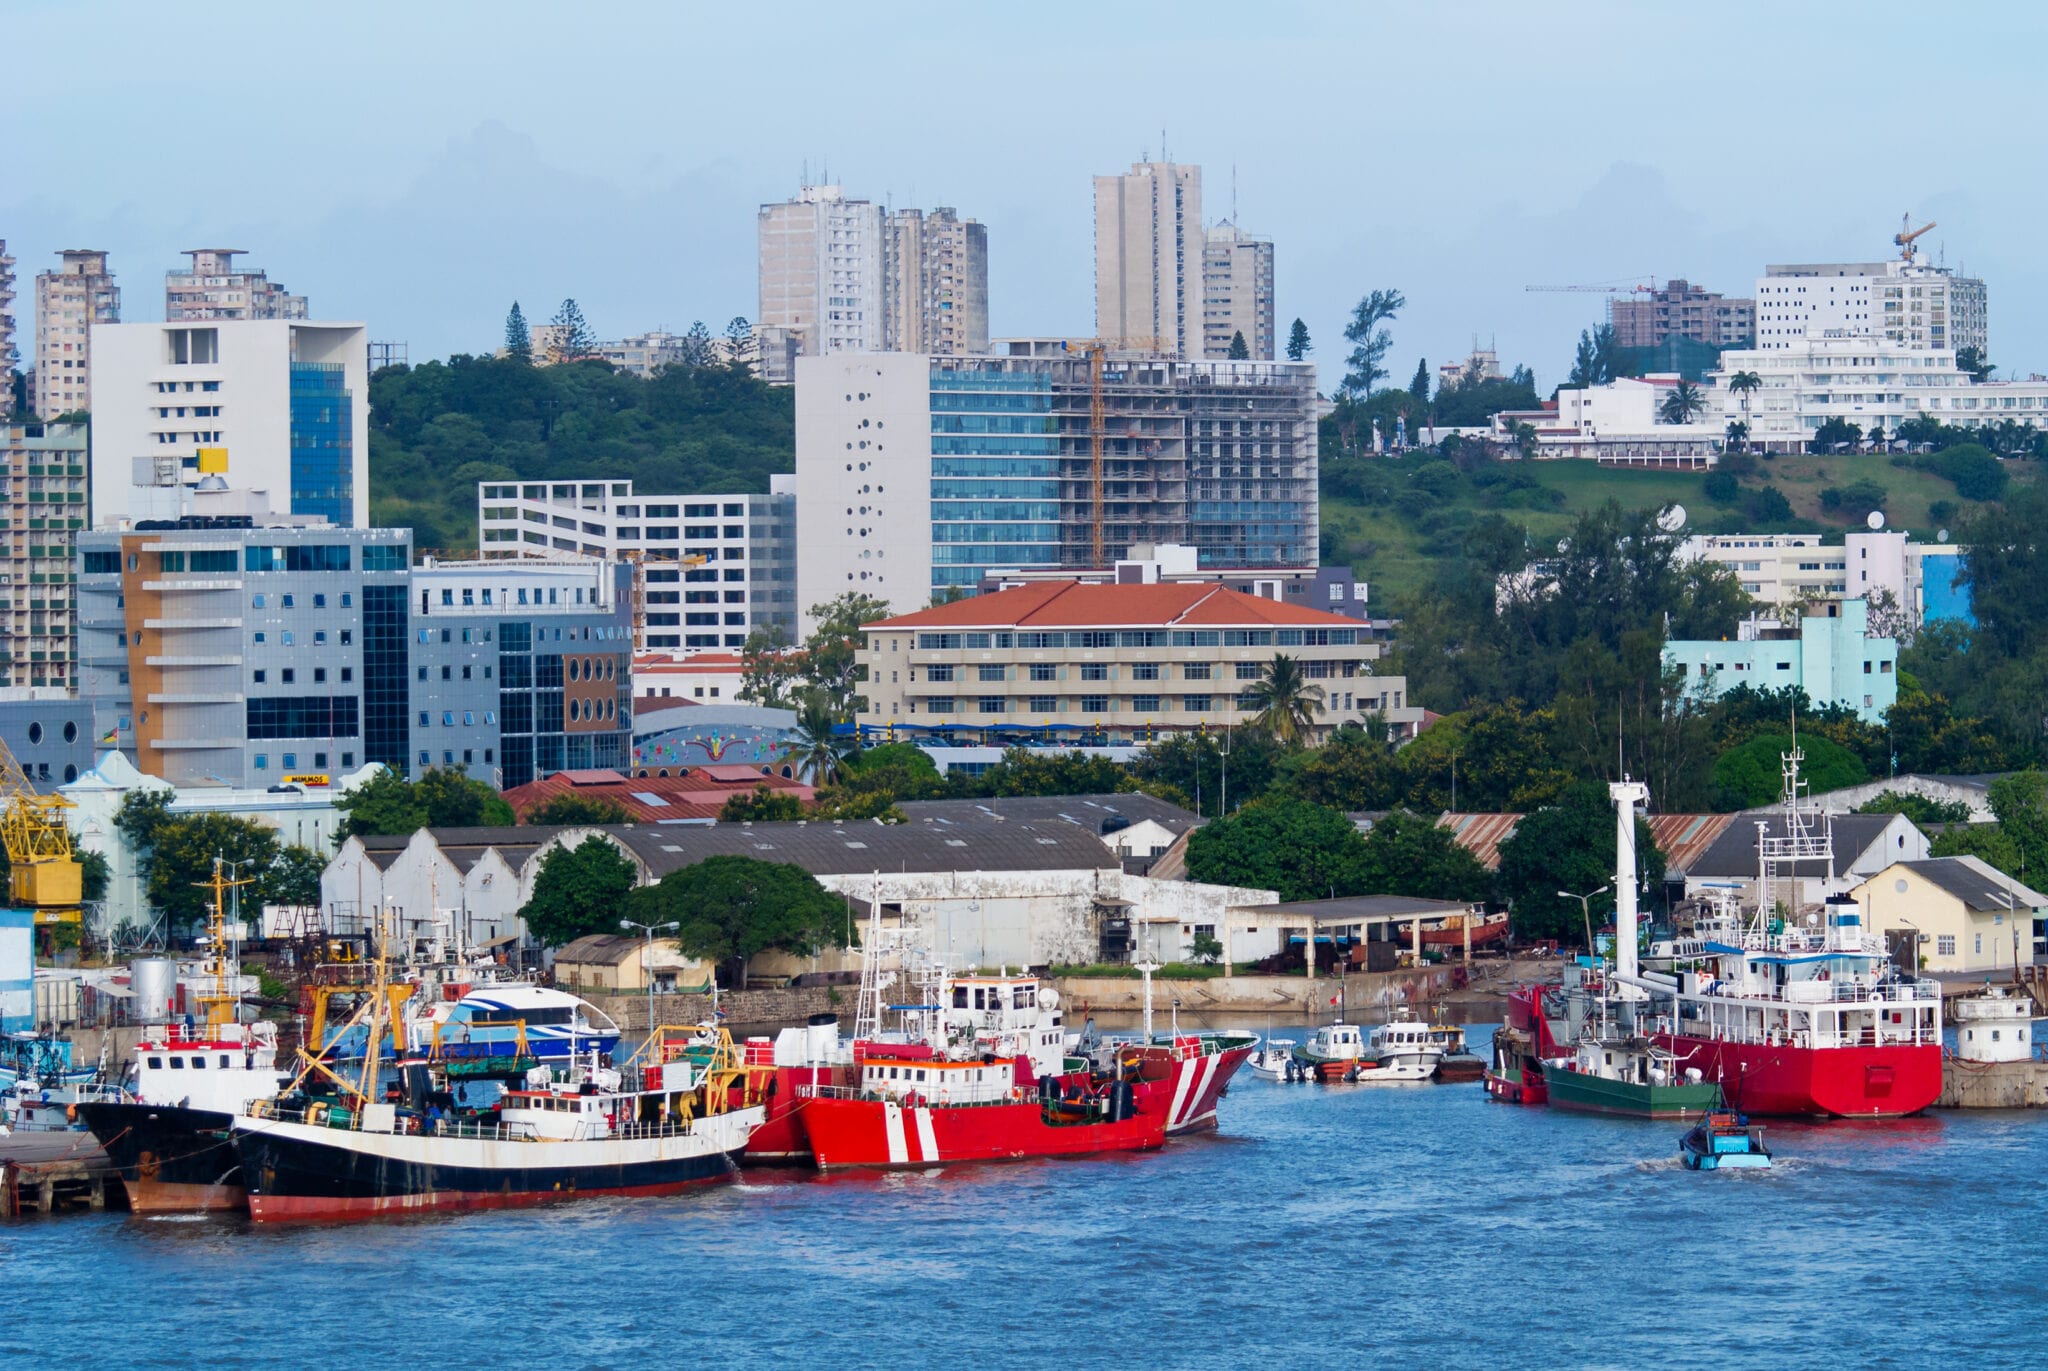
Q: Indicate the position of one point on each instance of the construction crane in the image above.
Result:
(44, 874)
(1903, 239)
(1645, 286)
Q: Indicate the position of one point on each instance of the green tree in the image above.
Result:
(1736, 438)
(385, 803)
(1208, 771)
(831, 661)
(1598, 359)
(576, 811)
(1298, 345)
(1835, 434)
(734, 908)
(443, 797)
(1918, 808)
(581, 890)
(2005, 566)
(94, 873)
(1928, 735)
(1355, 769)
(1972, 469)
(175, 854)
(294, 879)
(1370, 341)
(817, 747)
(761, 805)
(1240, 351)
(1721, 487)
(573, 338)
(2021, 803)
(1304, 851)
(1751, 775)
(1034, 771)
(768, 667)
(871, 780)
(1286, 701)
(518, 340)
(1569, 846)
(1681, 403)
(696, 345)
(453, 800)
(1418, 386)
(1970, 360)
(740, 351)
(1986, 842)
(1409, 854)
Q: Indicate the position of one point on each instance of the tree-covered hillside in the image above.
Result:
(439, 428)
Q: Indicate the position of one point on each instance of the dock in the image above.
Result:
(56, 1173)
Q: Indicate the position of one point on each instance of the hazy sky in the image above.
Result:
(421, 166)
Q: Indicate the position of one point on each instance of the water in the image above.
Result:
(1323, 1226)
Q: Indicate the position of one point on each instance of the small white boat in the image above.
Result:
(1271, 1059)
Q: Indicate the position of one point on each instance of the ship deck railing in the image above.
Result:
(503, 1132)
(849, 1092)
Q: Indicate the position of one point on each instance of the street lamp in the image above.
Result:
(1585, 911)
(646, 969)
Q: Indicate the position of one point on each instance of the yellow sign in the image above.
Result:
(213, 461)
(315, 779)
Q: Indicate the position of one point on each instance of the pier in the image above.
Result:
(56, 1173)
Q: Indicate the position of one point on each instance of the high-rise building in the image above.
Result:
(821, 274)
(213, 287)
(1909, 302)
(709, 569)
(271, 405)
(1681, 309)
(243, 649)
(840, 275)
(42, 499)
(70, 303)
(10, 355)
(917, 474)
(935, 275)
(1237, 292)
(1149, 250)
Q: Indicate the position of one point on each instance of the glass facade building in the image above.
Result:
(323, 450)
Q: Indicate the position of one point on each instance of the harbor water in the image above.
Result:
(1321, 1226)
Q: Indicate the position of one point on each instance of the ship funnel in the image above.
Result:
(821, 1037)
(1626, 796)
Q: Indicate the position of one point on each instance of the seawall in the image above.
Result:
(1993, 1085)
(1369, 993)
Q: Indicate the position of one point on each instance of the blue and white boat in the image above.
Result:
(1723, 1141)
(494, 1020)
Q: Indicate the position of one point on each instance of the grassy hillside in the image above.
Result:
(1398, 520)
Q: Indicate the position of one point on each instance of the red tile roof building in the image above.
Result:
(697, 793)
(1068, 661)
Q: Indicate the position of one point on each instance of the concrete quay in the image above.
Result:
(1993, 1085)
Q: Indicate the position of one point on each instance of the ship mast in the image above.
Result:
(1626, 795)
(221, 1002)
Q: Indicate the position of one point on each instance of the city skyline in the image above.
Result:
(430, 220)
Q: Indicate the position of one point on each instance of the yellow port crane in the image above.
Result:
(44, 874)
(1903, 239)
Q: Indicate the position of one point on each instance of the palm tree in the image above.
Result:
(817, 752)
(1683, 402)
(1287, 702)
(1738, 435)
(1742, 385)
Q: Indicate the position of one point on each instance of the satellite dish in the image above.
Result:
(1564, 546)
(1672, 519)
(1941, 535)
(1875, 520)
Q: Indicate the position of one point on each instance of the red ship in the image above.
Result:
(1515, 1076)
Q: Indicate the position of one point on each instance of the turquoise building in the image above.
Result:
(1830, 656)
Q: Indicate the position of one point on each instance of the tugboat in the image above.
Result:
(1458, 1064)
(1723, 1141)
(170, 1141)
(1403, 1049)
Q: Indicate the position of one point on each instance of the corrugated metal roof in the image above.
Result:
(1682, 838)
(828, 849)
(1085, 811)
(1977, 883)
(1732, 855)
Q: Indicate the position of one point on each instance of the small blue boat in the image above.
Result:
(1722, 1140)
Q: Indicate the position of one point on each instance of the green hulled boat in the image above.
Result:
(1632, 1077)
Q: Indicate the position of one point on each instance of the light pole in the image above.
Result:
(1585, 911)
(645, 968)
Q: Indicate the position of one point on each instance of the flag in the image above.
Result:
(112, 738)
(1333, 999)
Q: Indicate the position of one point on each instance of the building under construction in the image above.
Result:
(1052, 453)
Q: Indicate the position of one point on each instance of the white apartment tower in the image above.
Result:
(821, 276)
(213, 287)
(1149, 250)
(935, 270)
(1237, 292)
(70, 301)
(1924, 307)
(10, 356)
(271, 405)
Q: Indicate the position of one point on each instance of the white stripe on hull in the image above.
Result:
(926, 1139)
(892, 1124)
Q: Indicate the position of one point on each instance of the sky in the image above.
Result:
(419, 167)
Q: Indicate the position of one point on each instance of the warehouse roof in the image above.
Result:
(1091, 812)
(827, 848)
(1977, 883)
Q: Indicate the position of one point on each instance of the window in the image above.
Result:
(990, 672)
(1196, 671)
(938, 673)
(1145, 671)
(1195, 704)
(1094, 671)
(1945, 945)
(1145, 704)
(1044, 671)
(256, 602)
(263, 761)
(990, 704)
(1045, 704)
(288, 675)
(1251, 671)
(259, 675)
(938, 704)
(288, 601)
(1095, 704)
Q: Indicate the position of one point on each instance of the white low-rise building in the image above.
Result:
(1783, 570)
(1620, 424)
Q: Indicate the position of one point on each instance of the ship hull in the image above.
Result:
(1517, 1087)
(1836, 1082)
(171, 1160)
(1187, 1090)
(305, 1173)
(782, 1140)
(1590, 1094)
(878, 1133)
